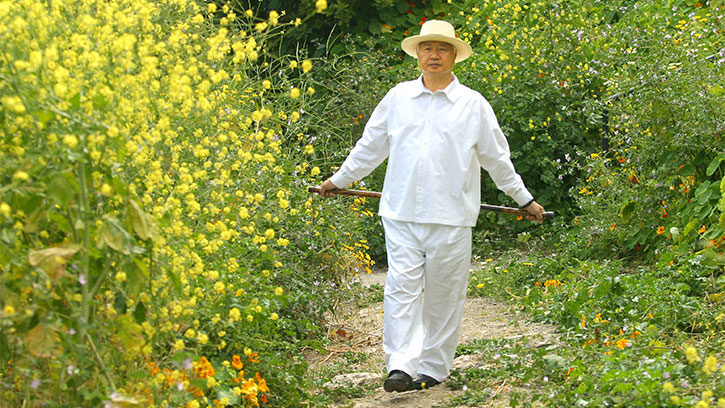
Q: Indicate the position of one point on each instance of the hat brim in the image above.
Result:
(410, 45)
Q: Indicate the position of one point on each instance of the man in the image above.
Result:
(436, 134)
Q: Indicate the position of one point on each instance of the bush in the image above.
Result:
(158, 243)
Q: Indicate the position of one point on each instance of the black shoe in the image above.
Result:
(398, 381)
(423, 382)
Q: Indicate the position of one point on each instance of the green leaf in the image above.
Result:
(714, 164)
(375, 27)
(137, 275)
(113, 235)
(553, 362)
(75, 101)
(702, 188)
(691, 226)
(129, 332)
(44, 116)
(52, 260)
(142, 223)
(40, 340)
(32, 221)
(62, 189)
(100, 101)
(627, 210)
(139, 314)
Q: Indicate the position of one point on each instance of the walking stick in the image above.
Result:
(486, 207)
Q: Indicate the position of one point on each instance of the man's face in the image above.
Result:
(436, 57)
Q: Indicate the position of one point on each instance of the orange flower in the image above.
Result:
(237, 362)
(614, 225)
(702, 230)
(660, 230)
(623, 343)
(203, 368)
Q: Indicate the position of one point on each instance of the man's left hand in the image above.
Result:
(537, 212)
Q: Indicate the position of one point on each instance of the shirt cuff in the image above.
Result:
(340, 181)
(527, 203)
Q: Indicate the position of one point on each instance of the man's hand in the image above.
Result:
(536, 211)
(326, 188)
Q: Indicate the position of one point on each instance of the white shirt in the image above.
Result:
(436, 143)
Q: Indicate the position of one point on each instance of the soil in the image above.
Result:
(358, 331)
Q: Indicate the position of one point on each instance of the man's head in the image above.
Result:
(436, 56)
(437, 31)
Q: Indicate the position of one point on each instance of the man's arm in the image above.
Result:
(371, 150)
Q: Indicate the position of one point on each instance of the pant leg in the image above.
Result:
(447, 265)
(403, 328)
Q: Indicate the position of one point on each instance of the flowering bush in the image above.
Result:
(158, 245)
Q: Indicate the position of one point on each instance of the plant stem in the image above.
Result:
(100, 362)
(85, 263)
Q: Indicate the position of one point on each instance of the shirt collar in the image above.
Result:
(449, 91)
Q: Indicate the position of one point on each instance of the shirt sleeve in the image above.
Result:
(371, 150)
(495, 157)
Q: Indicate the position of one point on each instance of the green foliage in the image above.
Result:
(625, 327)
(664, 164)
(155, 227)
(378, 24)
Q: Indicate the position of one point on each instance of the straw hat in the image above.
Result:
(437, 30)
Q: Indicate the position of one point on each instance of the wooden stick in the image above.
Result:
(374, 194)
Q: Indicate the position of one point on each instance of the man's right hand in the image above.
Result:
(326, 188)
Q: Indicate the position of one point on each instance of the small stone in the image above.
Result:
(353, 380)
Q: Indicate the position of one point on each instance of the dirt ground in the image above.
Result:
(360, 331)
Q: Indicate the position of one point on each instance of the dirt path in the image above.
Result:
(358, 333)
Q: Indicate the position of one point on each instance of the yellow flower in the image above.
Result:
(675, 400)
(295, 116)
(321, 5)
(235, 314)
(710, 365)
(9, 310)
(702, 404)
(219, 287)
(691, 354)
(106, 189)
(120, 277)
(721, 403)
(21, 176)
(310, 91)
(179, 345)
(5, 210)
(249, 13)
(309, 149)
(668, 387)
(292, 64)
(273, 18)
(250, 318)
(269, 233)
(274, 316)
(294, 93)
(306, 65)
(70, 141)
(315, 171)
(202, 338)
(278, 291)
(266, 84)
(298, 22)
(260, 27)
(13, 104)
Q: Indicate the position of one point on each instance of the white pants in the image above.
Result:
(420, 337)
